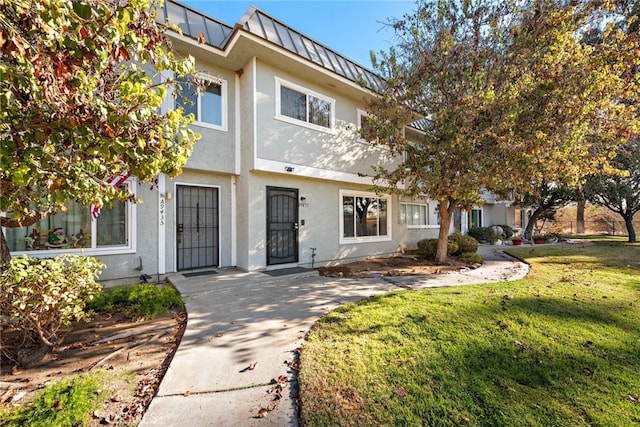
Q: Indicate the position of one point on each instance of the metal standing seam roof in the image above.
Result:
(195, 24)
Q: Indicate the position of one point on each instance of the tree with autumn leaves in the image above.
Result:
(619, 192)
(505, 97)
(81, 88)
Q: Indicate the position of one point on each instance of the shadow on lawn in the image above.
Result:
(586, 367)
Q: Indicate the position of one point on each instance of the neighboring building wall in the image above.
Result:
(499, 214)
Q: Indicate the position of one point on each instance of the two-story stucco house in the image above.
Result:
(278, 177)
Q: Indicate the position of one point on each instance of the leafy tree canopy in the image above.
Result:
(510, 97)
(81, 88)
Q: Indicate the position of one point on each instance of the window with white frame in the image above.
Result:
(208, 103)
(475, 218)
(414, 215)
(365, 216)
(74, 230)
(297, 104)
(363, 125)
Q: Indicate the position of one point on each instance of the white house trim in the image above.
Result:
(162, 224)
(267, 165)
(234, 222)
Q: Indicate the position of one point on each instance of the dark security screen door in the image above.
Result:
(197, 227)
(282, 225)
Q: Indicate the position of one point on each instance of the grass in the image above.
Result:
(560, 348)
(140, 301)
(65, 403)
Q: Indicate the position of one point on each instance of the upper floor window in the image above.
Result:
(295, 103)
(208, 104)
(364, 127)
(414, 215)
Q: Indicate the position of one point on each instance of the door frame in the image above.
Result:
(267, 221)
(175, 220)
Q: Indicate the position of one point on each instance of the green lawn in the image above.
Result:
(560, 348)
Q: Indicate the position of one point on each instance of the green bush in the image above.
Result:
(40, 296)
(427, 248)
(484, 234)
(465, 243)
(140, 301)
(65, 403)
(472, 258)
(507, 231)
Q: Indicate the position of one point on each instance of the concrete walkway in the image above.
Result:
(238, 352)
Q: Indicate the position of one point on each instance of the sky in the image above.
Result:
(352, 28)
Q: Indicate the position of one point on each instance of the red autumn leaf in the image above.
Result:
(84, 33)
(61, 68)
(124, 54)
(401, 391)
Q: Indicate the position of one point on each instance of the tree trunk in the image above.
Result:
(443, 235)
(528, 232)
(5, 255)
(628, 222)
(580, 216)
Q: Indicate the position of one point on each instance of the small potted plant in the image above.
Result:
(538, 239)
(516, 239)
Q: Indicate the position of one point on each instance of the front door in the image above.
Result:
(282, 225)
(197, 227)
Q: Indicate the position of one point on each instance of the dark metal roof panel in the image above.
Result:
(196, 24)
(193, 23)
(262, 25)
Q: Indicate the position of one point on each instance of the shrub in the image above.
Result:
(465, 243)
(140, 301)
(507, 231)
(472, 258)
(477, 233)
(40, 296)
(65, 403)
(427, 248)
(485, 234)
